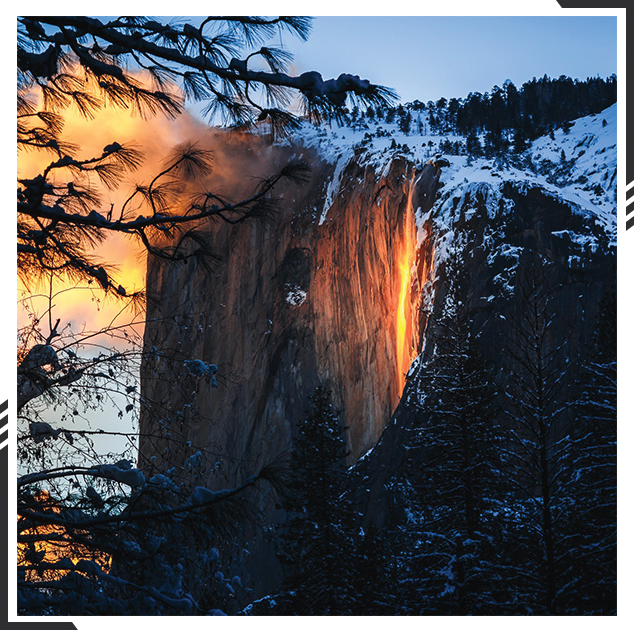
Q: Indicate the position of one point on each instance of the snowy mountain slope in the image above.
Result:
(588, 177)
(558, 197)
(577, 163)
(574, 165)
(557, 200)
(584, 183)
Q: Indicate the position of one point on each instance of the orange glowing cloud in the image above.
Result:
(155, 138)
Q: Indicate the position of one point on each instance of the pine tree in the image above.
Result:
(455, 469)
(405, 122)
(317, 539)
(494, 142)
(538, 400)
(588, 574)
(474, 147)
(374, 574)
(520, 143)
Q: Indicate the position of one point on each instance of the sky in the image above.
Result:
(426, 58)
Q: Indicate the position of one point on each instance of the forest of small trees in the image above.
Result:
(523, 114)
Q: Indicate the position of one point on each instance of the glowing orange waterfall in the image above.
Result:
(414, 274)
(402, 343)
(404, 324)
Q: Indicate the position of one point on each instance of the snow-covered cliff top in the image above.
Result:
(575, 163)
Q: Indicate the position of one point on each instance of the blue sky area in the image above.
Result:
(428, 57)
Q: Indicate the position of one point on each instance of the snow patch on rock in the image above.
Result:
(296, 296)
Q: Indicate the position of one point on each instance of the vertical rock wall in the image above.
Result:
(309, 299)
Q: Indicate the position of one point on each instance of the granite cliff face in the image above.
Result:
(339, 288)
(501, 227)
(327, 294)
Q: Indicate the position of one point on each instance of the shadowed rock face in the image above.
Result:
(291, 305)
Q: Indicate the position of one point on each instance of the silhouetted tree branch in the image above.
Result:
(92, 63)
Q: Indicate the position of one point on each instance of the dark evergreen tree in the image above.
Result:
(538, 443)
(538, 106)
(474, 147)
(420, 125)
(405, 122)
(441, 114)
(588, 572)
(493, 141)
(374, 574)
(512, 102)
(520, 143)
(454, 469)
(452, 112)
(317, 539)
(497, 112)
(446, 146)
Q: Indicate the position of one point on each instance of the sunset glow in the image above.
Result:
(85, 306)
(54, 543)
(246, 385)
